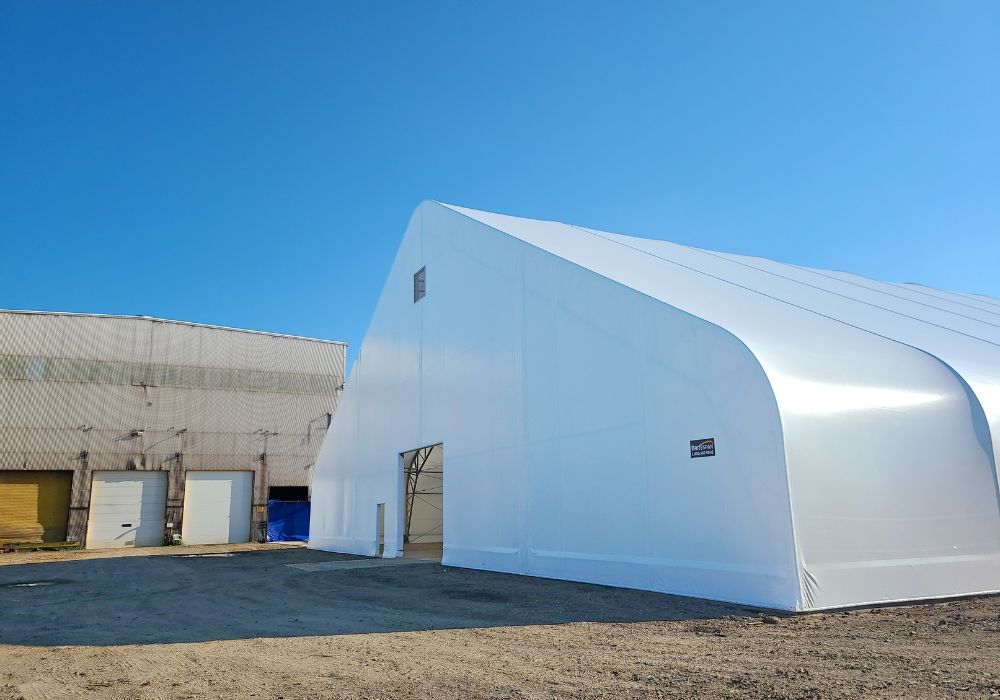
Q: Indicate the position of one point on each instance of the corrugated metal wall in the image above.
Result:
(97, 393)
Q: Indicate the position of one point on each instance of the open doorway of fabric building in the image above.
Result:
(423, 502)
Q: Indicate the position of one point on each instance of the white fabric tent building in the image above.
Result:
(571, 373)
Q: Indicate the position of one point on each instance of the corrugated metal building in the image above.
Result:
(139, 428)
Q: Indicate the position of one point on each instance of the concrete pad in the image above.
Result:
(357, 564)
(295, 592)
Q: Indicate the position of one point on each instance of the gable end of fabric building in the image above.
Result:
(616, 410)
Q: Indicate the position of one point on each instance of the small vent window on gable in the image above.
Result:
(419, 284)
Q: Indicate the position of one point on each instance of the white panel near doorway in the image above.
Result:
(127, 509)
(217, 507)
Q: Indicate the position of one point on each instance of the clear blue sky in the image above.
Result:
(254, 164)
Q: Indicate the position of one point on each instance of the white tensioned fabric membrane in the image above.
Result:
(855, 421)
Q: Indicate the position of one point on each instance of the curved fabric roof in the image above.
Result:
(801, 323)
(566, 370)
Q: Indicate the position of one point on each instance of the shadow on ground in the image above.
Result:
(195, 598)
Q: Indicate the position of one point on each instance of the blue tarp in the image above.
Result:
(287, 521)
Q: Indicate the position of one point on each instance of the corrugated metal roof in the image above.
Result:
(167, 320)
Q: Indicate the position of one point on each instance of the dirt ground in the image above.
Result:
(279, 622)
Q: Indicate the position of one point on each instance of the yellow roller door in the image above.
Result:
(34, 505)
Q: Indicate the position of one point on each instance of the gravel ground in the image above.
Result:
(500, 636)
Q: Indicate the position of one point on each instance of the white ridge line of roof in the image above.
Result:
(138, 317)
(597, 234)
(821, 273)
(830, 274)
(908, 287)
(992, 301)
(722, 256)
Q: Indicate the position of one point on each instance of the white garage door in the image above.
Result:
(217, 507)
(127, 509)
